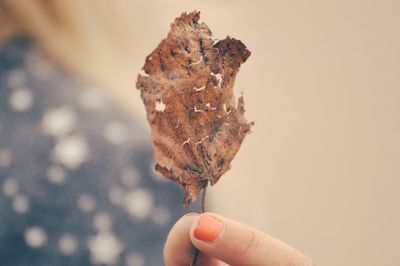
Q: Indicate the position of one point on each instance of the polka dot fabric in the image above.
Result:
(77, 185)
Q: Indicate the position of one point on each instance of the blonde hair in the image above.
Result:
(89, 38)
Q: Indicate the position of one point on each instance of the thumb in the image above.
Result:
(240, 245)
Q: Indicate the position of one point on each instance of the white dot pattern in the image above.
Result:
(58, 121)
(20, 204)
(21, 100)
(56, 174)
(115, 132)
(138, 203)
(68, 244)
(10, 187)
(35, 237)
(5, 157)
(104, 248)
(92, 99)
(76, 175)
(71, 151)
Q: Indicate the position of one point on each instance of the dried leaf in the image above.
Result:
(187, 89)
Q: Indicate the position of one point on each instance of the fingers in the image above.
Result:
(221, 239)
(178, 249)
(241, 245)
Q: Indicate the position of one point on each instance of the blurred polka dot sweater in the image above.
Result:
(76, 174)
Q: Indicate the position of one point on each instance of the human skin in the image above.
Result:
(223, 240)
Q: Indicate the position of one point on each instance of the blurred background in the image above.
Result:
(321, 170)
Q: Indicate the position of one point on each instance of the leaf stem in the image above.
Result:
(203, 202)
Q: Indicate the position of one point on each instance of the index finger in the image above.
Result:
(240, 245)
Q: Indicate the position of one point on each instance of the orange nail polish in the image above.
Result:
(208, 228)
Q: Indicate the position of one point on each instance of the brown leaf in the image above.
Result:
(197, 127)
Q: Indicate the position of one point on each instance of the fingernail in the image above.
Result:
(208, 228)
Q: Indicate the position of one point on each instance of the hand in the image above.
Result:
(222, 240)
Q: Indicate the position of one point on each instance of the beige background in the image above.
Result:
(322, 169)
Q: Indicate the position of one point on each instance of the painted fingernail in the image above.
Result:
(208, 228)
